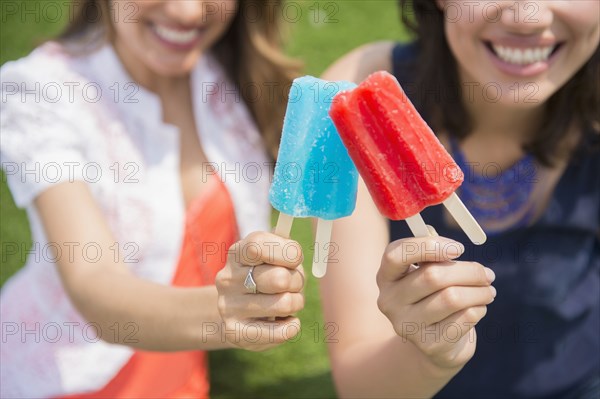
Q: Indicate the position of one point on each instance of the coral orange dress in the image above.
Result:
(210, 230)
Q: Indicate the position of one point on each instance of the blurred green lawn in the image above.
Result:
(319, 33)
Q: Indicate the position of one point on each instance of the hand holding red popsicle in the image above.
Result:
(403, 164)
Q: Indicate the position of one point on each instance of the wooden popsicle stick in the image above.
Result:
(321, 254)
(465, 220)
(284, 225)
(283, 229)
(417, 225)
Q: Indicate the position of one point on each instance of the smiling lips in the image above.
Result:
(523, 56)
(180, 37)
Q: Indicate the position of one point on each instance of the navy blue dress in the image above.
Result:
(541, 335)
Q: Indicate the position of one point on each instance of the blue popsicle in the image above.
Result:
(314, 175)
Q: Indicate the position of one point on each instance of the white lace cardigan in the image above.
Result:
(63, 118)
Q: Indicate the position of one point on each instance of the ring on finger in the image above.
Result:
(249, 282)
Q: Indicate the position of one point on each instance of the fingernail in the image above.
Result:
(454, 248)
(491, 276)
(493, 289)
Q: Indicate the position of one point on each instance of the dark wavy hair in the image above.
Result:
(577, 103)
(250, 52)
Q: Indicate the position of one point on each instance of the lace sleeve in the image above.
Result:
(40, 143)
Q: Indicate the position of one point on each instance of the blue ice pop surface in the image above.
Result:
(314, 176)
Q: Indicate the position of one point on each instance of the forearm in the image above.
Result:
(147, 315)
(386, 368)
(160, 317)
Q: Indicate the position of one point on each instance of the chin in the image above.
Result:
(174, 69)
(171, 71)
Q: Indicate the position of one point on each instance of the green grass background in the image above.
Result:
(319, 33)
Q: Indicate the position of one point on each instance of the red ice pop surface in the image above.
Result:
(403, 164)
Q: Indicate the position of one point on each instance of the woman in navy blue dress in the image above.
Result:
(512, 91)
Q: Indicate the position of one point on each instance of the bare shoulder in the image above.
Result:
(361, 62)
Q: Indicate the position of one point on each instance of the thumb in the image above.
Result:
(401, 254)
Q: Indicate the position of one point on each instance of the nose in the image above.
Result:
(188, 12)
(526, 17)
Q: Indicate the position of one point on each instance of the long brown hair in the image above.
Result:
(250, 52)
(575, 104)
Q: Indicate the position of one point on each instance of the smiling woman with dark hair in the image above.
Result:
(512, 89)
(575, 101)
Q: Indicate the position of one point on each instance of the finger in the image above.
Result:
(430, 278)
(449, 330)
(442, 304)
(262, 247)
(458, 324)
(433, 277)
(400, 254)
(450, 337)
(466, 318)
(275, 280)
(284, 329)
(264, 305)
(261, 334)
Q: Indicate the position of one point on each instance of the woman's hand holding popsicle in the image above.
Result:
(259, 288)
(436, 305)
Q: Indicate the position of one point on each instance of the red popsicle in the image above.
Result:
(403, 164)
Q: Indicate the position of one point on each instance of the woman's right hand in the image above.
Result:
(261, 320)
(436, 305)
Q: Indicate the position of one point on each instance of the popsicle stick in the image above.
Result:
(417, 225)
(321, 254)
(283, 229)
(284, 225)
(465, 220)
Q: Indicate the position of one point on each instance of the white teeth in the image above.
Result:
(546, 51)
(176, 36)
(520, 56)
